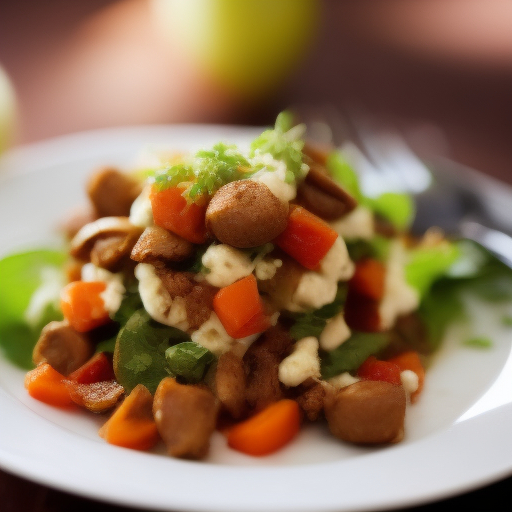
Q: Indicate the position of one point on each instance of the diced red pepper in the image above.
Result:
(306, 238)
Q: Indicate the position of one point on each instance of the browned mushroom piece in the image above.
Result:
(185, 416)
(261, 363)
(310, 397)
(367, 412)
(97, 396)
(107, 240)
(63, 348)
(230, 384)
(246, 214)
(321, 195)
(110, 253)
(198, 296)
(157, 244)
(112, 192)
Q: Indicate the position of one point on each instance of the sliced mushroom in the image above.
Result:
(109, 253)
(157, 244)
(246, 214)
(367, 412)
(230, 384)
(321, 195)
(96, 396)
(185, 416)
(112, 192)
(106, 227)
(62, 348)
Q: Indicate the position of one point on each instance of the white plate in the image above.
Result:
(458, 435)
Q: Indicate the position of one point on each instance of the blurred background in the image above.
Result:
(439, 70)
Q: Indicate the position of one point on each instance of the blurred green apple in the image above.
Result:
(249, 46)
(7, 111)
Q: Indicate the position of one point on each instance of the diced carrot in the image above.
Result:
(47, 385)
(240, 308)
(132, 424)
(172, 212)
(306, 238)
(373, 369)
(98, 368)
(82, 305)
(368, 278)
(267, 431)
(411, 361)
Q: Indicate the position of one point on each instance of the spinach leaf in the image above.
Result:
(139, 355)
(189, 360)
(349, 356)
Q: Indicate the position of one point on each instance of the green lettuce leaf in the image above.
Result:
(396, 208)
(22, 318)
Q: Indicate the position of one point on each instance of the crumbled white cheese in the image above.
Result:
(273, 175)
(335, 333)
(313, 291)
(267, 268)
(359, 223)
(115, 290)
(157, 300)
(410, 381)
(226, 265)
(212, 335)
(141, 213)
(343, 380)
(301, 364)
(399, 297)
(318, 288)
(48, 293)
(336, 264)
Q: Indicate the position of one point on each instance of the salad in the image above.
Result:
(246, 291)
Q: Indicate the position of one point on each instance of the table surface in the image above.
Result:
(462, 89)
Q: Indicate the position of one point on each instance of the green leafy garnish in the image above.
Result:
(284, 142)
(139, 355)
(206, 172)
(189, 360)
(351, 354)
(313, 323)
(478, 342)
(23, 312)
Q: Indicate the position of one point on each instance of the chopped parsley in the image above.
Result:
(206, 172)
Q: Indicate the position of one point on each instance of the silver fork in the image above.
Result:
(461, 201)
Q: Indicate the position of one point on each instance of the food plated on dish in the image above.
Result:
(248, 291)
